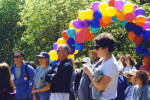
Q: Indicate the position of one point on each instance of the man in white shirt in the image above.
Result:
(104, 44)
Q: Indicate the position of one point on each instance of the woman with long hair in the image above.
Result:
(7, 88)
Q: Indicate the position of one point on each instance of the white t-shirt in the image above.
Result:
(110, 68)
(128, 68)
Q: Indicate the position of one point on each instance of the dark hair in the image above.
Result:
(21, 53)
(66, 47)
(5, 78)
(123, 62)
(132, 61)
(105, 40)
(143, 76)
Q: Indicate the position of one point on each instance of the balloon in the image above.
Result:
(120, 15)
(94, 23)
(110, 11)
(140, 20)
(135, 6)
(128, 7)
(130, 17)
(106, 19)
(103, 24)
(111, 3)
(72, 50)
(85, 23)
(97, 15)
(137, 40)
(89, 37)
(61, 41)
(53, 55)
(146, 25)
(147, 53)
(71, 56)
(71, 32)
(64, 35)
(123, 23)
(55, 46)
(130, 26)
(77, 24)
(139, 11)
(145, 44)
(138, 30)
(95, 6)
(115, 19)
(146, 60)
(140, 50)
(78, 38)
(71, 26)
(86, 14)
(70, 41)
(76, 52)
(93, 30)
(119, 4)
(78, 46)
(131, 36)
(146, 34)
(85, 34)
(102, 7)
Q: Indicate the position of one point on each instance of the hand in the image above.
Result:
(87, 70)
(33, 92)
(34, 97)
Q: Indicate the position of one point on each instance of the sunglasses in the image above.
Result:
(59, 50)
(97, 47)
(17, 56)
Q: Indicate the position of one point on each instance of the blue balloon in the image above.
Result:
(130, 26)
(147, 53)
(97, 15)
(145, 44)
(71, 32)
(70, 41)
(93, 30)
(72, 50)
(146, 34)
(140, 50)
(94, 23)
(138, 30)
(78, 46)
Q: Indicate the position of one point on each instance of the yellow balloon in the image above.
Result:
(76, 52)
(85, 14)
(71, 56)
(110, 11)
(128, 8)
(53, 55)
(102, 7)
(61, 41)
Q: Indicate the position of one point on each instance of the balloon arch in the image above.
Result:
(101, 14)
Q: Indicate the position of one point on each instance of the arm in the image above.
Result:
(46, 88)
(100, 85)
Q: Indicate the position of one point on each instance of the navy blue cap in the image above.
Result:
(44, 55)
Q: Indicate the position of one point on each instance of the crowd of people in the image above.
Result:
(100, 78)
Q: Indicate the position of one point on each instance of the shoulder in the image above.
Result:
(68, 63)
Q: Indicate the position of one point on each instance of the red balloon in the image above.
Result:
(130, 17)
(89, 37)
(137, 40)
(102, 24)
(78, 38)
(64, 35)
(111, 3)
(131, 35)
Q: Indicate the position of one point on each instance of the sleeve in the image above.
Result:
(108, 70)
(83, 88)
(145, 95)
(31, 75)
(134, 94)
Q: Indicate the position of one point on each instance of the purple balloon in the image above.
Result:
(95, 5)
(139, 11)
(119, 4)
(55, 46)
(146, 25)
(77, 24)
(85, 23)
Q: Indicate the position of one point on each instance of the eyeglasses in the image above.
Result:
(59, 50)
(17, 56)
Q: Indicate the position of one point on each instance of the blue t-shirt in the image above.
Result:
(39, 78)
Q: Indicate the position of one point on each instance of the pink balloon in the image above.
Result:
(78, 38)
(130, 17)
(135, 6)
(146, 25)
(146, 19)
(95, 6)
(119, 4)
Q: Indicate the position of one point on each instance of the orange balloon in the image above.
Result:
(137, 40)
(64, 35)
(140, 20)
(89, 37)
(102, 24)
(106, 19)
(131, 36)
(146, 61)
(111, 3)
(120, 15)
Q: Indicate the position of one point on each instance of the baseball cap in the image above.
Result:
(131, 72)
(86, 60)
(44, 55)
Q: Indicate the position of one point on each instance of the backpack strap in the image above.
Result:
(26, 69)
